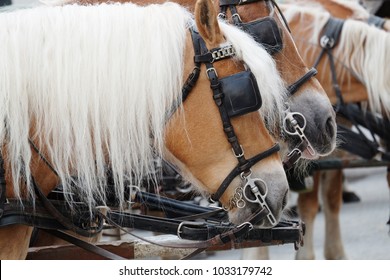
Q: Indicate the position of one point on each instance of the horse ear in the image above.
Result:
(207, 23)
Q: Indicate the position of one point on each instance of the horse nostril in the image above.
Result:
(329, 127)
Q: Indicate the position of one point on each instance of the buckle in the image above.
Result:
(211, 73)
(240, 154)
(327, 42)
(222, 16)
(236, 18)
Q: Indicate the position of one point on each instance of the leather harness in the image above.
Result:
(54, 219)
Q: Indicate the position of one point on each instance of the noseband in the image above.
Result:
(267, 33)
(234, 95)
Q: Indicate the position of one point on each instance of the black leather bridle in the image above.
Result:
(271, 39)
(243, 168)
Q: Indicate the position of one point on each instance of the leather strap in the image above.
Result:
(376, 21)
(328, 42)
(238, 170)
(294, 156)
(332, 31)
(58, 216)
(85, 245)
(293, 88)
(177, 209)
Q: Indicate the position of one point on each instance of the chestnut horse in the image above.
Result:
(309, 100)
(363, 76)
(101, 87)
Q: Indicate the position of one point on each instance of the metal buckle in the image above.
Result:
(237, 16)
(209, 70)
(239, 155)
(327, 42)
(222, 16)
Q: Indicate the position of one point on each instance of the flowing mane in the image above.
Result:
(362, 52)
(368, 51)
(96, 83)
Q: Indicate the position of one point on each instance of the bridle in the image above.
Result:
(232, 104)
(266, 32)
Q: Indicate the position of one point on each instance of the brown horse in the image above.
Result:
(359, 82)
(309, 100)
(86, 97)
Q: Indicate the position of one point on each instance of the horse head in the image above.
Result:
(213, 143)
(308, 103)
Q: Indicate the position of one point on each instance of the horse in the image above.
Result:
(362, 77)
(100, 87)
(307, 99)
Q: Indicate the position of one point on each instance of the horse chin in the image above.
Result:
(238, 216)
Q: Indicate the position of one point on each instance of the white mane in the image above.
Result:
(98, 82)
(365, 50)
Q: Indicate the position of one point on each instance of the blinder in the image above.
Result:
(266, 32)
(241, 93)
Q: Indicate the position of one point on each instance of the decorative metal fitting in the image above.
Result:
(223, 52)
(327, 42)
